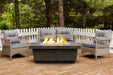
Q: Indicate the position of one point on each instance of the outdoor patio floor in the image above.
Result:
(85, 65)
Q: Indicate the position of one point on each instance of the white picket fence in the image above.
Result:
(82, 35)
(31, 33)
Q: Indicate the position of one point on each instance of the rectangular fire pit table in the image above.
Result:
(55, 53)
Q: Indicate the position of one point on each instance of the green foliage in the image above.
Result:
(7, 18)
(100, 26)
(26, 16)
(52, 25)
(99, 13)
(3, 25)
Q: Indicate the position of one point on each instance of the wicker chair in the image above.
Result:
(101, 44)
(12, 45)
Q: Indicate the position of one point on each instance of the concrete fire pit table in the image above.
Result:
(55, 53)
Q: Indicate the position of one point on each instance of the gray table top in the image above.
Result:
(69, 45)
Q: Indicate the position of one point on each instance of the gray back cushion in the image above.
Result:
(12, 35)
(102, 34)
(67, 34)
(50, 32)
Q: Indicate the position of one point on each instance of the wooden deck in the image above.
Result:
(85, 65)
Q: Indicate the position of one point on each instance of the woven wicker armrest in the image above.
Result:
(23, 39)
(103, 39)
(6, 43)
(102, 43)
(74, 38)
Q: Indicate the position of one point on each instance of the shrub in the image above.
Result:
(3, 25)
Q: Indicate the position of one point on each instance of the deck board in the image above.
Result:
(85, 65)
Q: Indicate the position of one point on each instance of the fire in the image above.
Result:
(51, 40)
(61, 41)
(46, 39)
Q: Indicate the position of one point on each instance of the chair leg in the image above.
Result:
(96, 57)
(10, 57)
(81, 54)
(28, 53)
(2, 55)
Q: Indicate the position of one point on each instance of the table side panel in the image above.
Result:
(54, 55)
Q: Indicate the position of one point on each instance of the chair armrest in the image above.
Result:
(74, 38)
(105, 39)
(6, 43)
(102, 42)
(24, 39)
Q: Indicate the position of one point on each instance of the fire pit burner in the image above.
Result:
(50, 40)
(55, 44)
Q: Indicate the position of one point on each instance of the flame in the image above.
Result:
(63, 40)
(58, 40)
(51, 40)
(46, 39)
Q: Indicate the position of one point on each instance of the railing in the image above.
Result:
(82, 35)
(31, 33)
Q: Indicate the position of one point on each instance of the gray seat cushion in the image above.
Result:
(50, 32)
(90, 45)
(12, 35)
(18, 45)
(67, 34)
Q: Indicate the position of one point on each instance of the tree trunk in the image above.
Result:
(61, 15)
(17, 14)
(84, 16)
(48, 17)
(84, 20)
